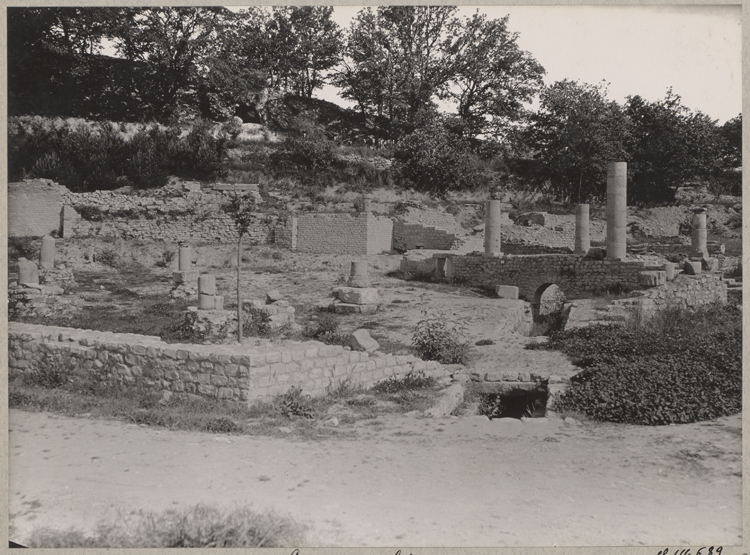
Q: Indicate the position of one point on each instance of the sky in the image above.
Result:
(638, 50)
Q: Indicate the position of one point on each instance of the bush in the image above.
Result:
(325, 329)
(198, 526)
(412, 380)
(679, 366)
(108, 257)
(436, 339)
(293, 403)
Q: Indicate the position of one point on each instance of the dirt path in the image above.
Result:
(401, 481)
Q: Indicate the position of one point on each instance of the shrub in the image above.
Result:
(325, 329)
(293, 403)
(198, 526)
(679, 366)
(412, 380)
(108, 257)
(483, 342)
(436, 339)
(24, 247)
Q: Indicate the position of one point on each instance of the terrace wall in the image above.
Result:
(232, 372)
(343, 233)
(34, 207)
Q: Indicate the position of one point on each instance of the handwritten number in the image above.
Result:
(719, 550)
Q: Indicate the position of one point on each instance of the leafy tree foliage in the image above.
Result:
(671, 145)
(492, 77)
(574, 135)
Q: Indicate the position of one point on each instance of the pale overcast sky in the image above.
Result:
(637, 49)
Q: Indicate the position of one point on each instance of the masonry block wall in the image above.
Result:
(415, 236)
(285, 233)
(343, 233)
(34, 207)
(379, 234)
(230, 372)
(528, 248)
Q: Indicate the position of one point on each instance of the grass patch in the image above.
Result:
(199, 526)
(678, 366)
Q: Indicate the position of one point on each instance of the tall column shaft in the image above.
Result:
(617, 210)
(184, 258)
(583, 238)
(699, 234)
(492, 227)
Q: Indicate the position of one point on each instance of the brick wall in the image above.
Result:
(415, 236)
(34, 207)
(232, 372)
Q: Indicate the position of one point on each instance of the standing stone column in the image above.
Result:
(699, 234)
(207, 297)
(47, 254)
(492, 228)
(617, 210)
(583, 238)
(184, 258)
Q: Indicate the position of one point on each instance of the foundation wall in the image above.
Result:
(379, 234)
(230, 372)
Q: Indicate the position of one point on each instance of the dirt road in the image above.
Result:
(398, 480)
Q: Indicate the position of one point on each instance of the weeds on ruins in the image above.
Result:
(436, 339)
(678, 366)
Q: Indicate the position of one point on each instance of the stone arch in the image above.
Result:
(548, 298)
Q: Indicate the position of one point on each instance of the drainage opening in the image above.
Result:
(516, 403)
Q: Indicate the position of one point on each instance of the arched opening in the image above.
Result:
(548, 310)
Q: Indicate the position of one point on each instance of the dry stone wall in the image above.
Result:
(684, 291)
(231, 372)
(194, 216)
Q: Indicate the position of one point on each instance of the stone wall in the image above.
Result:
(577, 276)
(684, 291)
(34, 207)
(232, 372)
(416, 236)
(527, 248)
(193, 215)
(285, 234)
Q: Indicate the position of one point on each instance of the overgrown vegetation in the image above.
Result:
(678, 366)
(199, 526)
(437, 339)
(86, 158)
(412, 380)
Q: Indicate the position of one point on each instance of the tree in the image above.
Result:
(436, 158)
(240, 208)
(671, 145)
(731, 132)
(174, 45)
(574, 135)
(493, 77)
(397, 60)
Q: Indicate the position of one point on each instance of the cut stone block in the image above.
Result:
(692, 268)
(273, 296)
(207, 285)
(450, 398)
(652, 278)
(218, 302)
(506, 291)
(188, 276)
(357, 295)
(710, 265)
(28, 273)
(360, 340)
(669, 269)
(209, 302)
(345, 308)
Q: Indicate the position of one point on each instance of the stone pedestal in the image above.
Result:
(582, 238)
(617, 210)
(210, 302)
(47, 254)
(492, 228)
(28, 273)
(359, 276)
